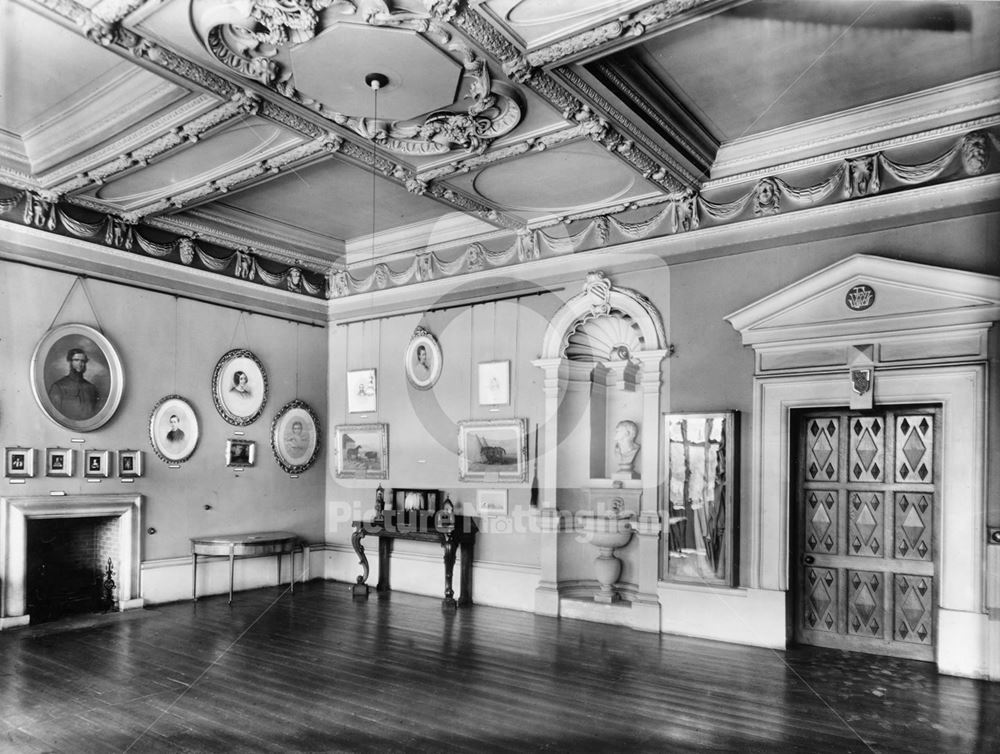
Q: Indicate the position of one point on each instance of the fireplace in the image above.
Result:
(56, 550)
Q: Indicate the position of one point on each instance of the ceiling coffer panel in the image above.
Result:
(440, 95)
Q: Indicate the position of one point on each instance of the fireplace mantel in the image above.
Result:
(14, 514)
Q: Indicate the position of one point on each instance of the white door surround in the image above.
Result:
(14, 513)
(920, 333)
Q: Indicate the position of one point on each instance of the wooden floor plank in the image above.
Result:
(319, 671)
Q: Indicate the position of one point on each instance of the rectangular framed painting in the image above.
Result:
(129, 464)
(362, 451)
(700, 463)
(240, 452)
(493, 450)
(19, 463)
(491, 502)
(362, 391)
(59, 461)
(97, 464)
(494, 383)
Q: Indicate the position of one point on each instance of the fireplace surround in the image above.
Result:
(15, 512)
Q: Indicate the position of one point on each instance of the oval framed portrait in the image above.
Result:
(239, 387)
(295, 437)
(173, 429)
(423, 360)
(76, 377)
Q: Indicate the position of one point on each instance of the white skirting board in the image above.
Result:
(755, 617)
(169, 580)
(493, 584)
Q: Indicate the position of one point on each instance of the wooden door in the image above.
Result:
(864, 567)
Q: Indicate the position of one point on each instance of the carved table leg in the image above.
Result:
(465, 579)
(384, 558)
(360, 589)
(450, 547)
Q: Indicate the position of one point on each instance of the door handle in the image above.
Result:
(808, 559)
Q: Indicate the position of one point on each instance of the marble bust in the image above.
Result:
(626, 448)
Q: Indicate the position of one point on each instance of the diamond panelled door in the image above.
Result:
(865, 557)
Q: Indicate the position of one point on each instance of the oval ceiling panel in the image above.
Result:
(561, 179)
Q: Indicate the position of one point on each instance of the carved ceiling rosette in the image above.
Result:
(255, 39)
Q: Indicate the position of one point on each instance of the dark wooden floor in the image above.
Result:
(319, 672)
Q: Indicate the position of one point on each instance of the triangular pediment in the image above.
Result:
(866, 294)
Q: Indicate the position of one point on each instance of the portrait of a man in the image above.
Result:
(175, 433)
(76, 377)
(73, 395)
(422, 360)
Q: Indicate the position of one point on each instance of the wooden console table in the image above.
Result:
(253, 545)
(452, 534)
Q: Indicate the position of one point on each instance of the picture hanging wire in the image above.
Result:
(241, 320)
(176, 326)
(296, 360)
(81, 281)
(375, 81)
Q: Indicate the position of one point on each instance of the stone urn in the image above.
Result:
(608, 532)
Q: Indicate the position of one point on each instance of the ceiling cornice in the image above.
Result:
(564, 100)
(608, 35)
(911, 117)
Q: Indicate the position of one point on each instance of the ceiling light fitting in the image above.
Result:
(377, 81)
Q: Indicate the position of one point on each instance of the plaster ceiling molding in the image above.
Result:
(440, 96)
(540, 22)
(199, 167)
(572, 177)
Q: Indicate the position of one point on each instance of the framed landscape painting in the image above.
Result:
(362, 451)
(493, 450)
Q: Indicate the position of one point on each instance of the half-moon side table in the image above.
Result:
(252, 545)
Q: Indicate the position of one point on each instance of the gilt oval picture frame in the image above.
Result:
(173, 429)
(239, 387)
(295, 437)
(423, 360)
(77, 377)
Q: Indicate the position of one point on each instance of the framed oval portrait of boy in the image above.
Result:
(423, 360)
(173, 429)
(239, 387)
(295, 437)
(76, 377)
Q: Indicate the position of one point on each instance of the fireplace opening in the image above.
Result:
(71, 566)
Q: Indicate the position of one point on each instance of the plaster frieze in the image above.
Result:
(119, 234)
(986, 123)
(865, 177)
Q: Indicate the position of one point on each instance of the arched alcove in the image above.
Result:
(601, 356)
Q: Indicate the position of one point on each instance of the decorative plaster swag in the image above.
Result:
(853, 178)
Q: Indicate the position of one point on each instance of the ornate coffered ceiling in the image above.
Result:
(240, 137)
